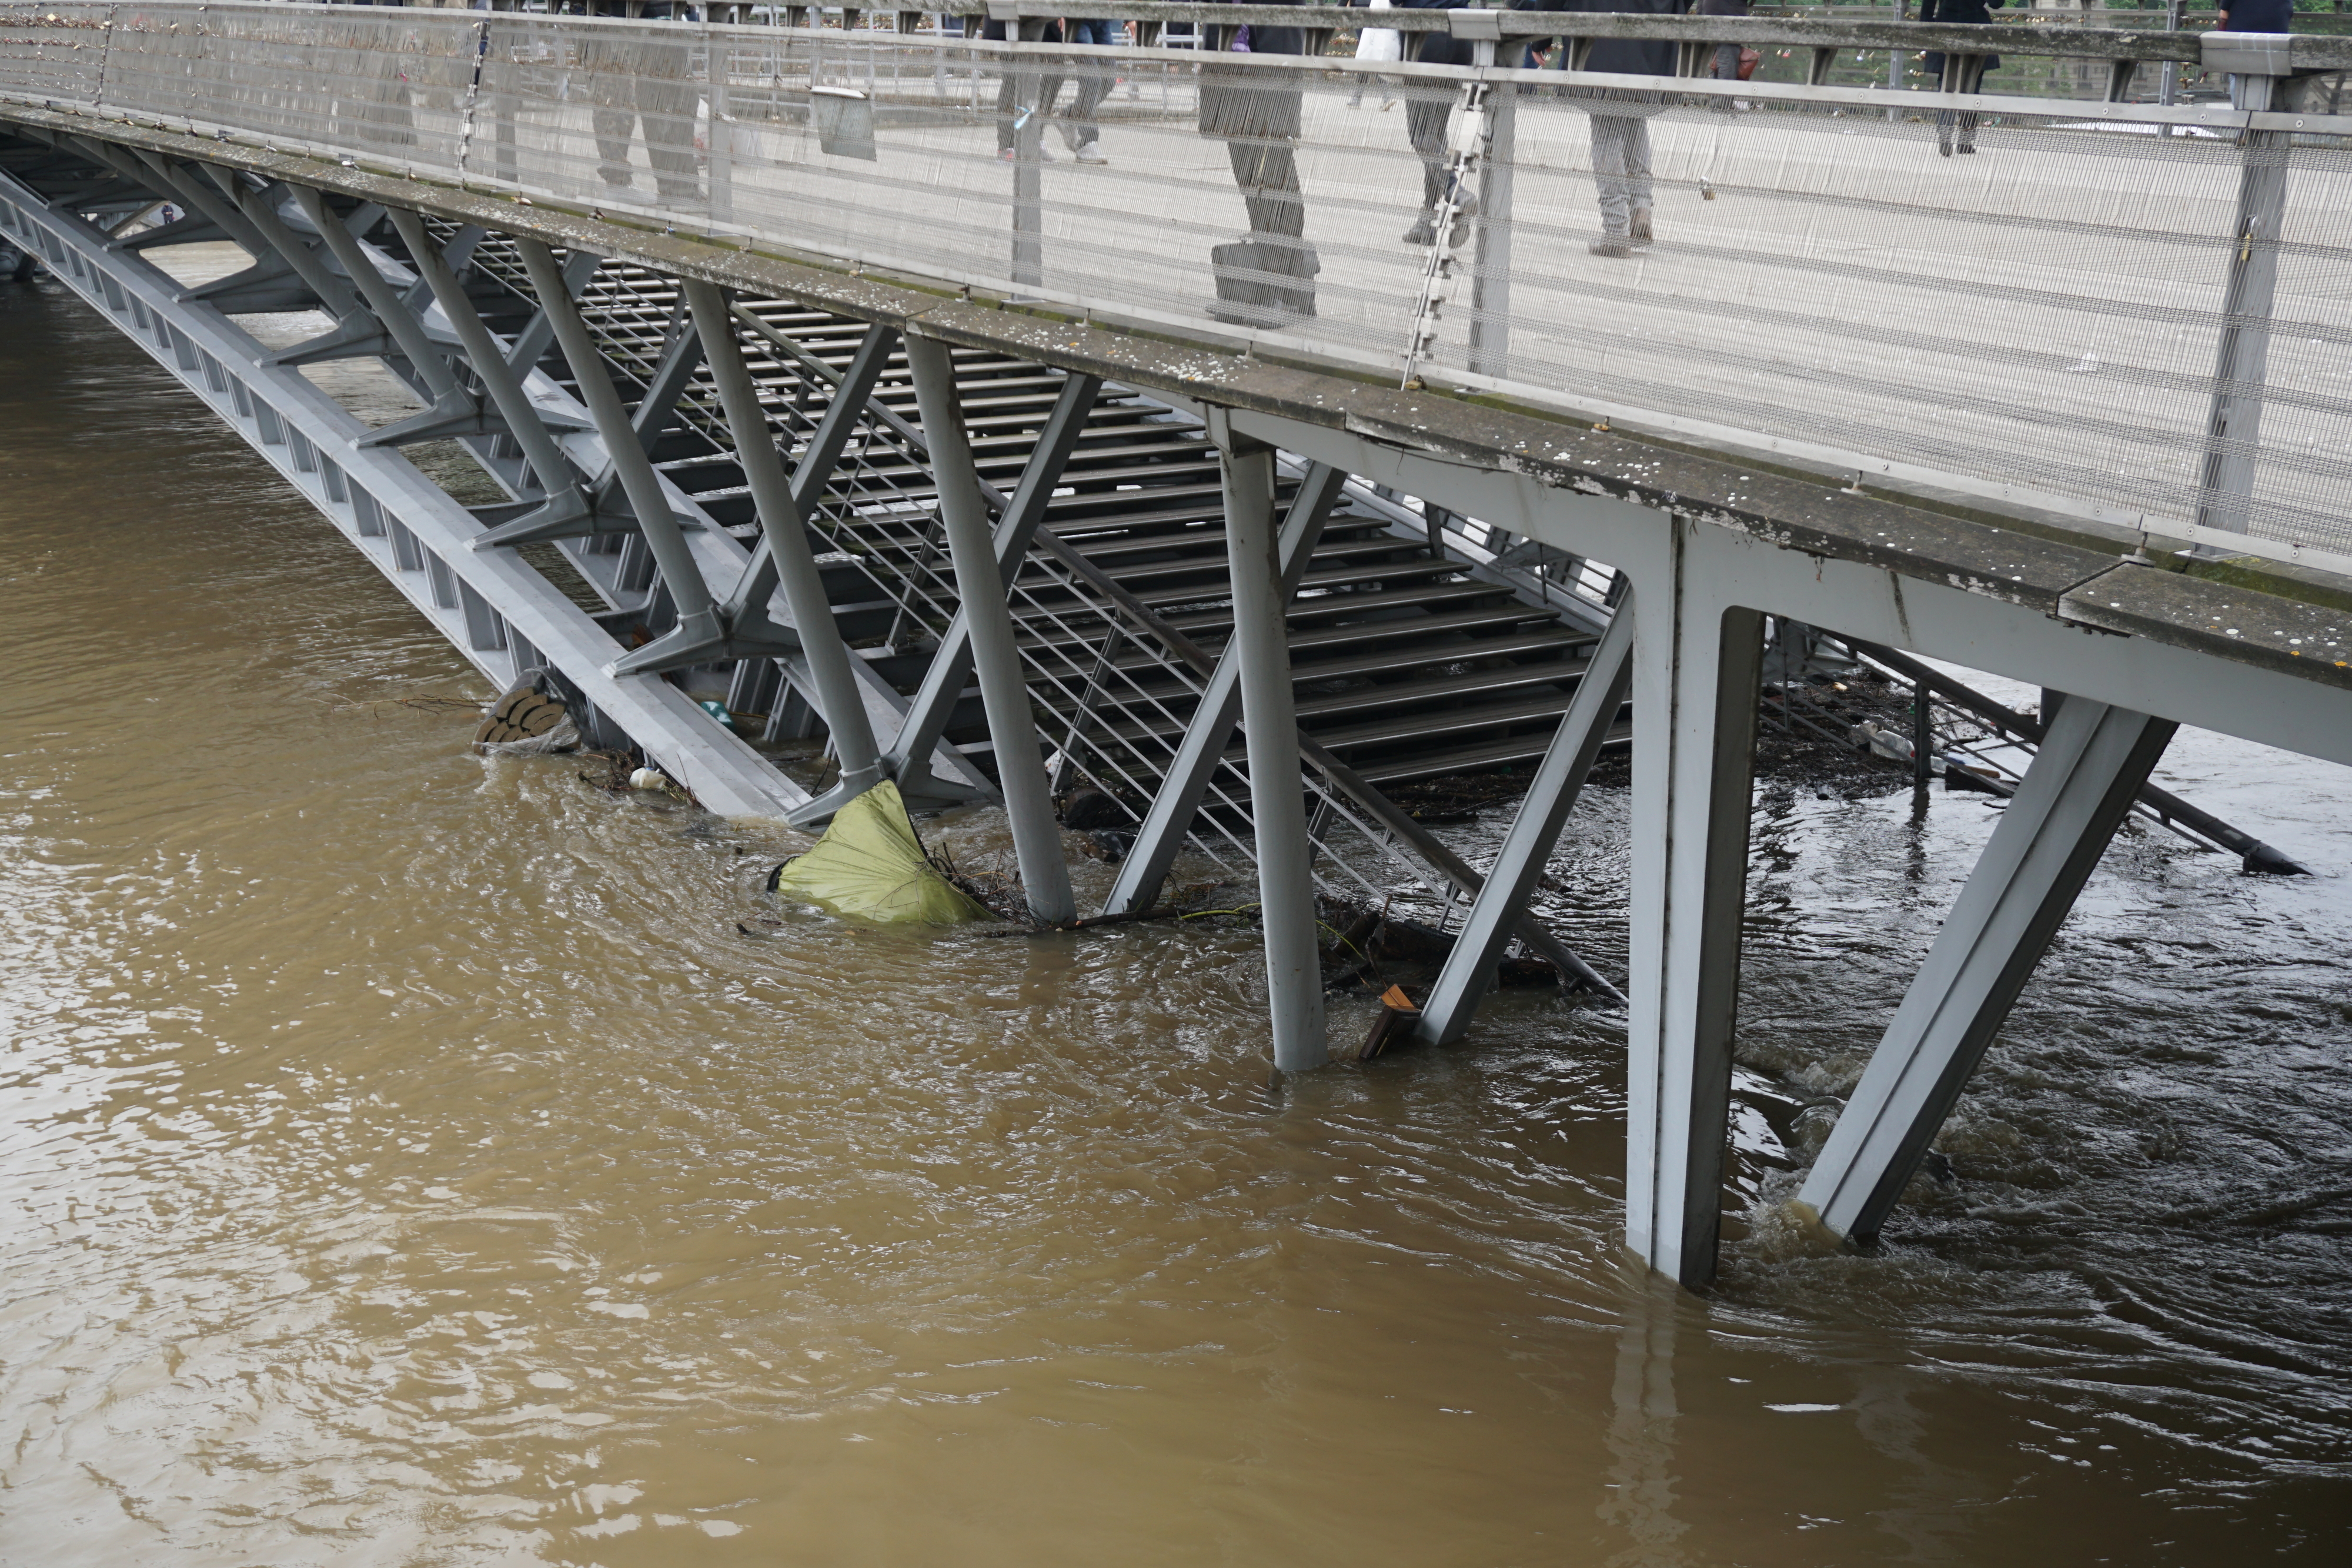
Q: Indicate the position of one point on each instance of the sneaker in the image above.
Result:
(1968, 148)
(1092, 153)
(1640, 232)
(1423, 230)
(1612, 248)
(1006, 155)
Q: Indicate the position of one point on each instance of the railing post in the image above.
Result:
(721, 149)
(1028, 164)
(2225, 483)
(1490, 279)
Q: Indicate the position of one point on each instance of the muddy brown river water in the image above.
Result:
(404, 1159)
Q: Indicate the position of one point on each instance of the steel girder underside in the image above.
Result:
(2138, 651)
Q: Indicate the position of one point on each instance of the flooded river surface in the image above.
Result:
(405, 1160)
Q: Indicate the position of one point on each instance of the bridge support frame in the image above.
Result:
(554, 472)
(981, 585)
(1016, 525)
(2093, 760)
(1697, 661)
(1169, 816)
(1286, 877)
(783, 513)
(1551, 795)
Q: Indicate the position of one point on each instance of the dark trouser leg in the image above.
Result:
(1267, 173)
(667, 106)
(1094, 86)
(1424, 126)
(613, 129)
(1010, 92)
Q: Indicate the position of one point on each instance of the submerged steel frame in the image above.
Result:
(1703, 580)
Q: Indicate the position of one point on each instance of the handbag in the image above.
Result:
(1748, 62)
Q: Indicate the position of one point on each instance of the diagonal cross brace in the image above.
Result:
(814, 470)
(1170, 817)
(699, 635)
(1559, 778)
(1344, 778)
(1017, 527)
(784, 511)
(482, 352)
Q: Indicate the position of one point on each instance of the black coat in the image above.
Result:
(1625, 57)
(1231, 108)
(1966, 12)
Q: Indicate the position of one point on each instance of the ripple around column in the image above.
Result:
(406, 1158)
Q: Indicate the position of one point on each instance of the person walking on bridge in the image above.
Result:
(1257, 115)
(633, 79)
(1620, 123)
(1428, 109)
(1967, 13)
(1095, 77)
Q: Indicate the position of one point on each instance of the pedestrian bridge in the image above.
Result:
(1335, 406)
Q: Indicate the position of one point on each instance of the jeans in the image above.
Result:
(1621, 169)
(1093, 79)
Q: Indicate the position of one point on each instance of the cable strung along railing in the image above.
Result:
(2122, 310)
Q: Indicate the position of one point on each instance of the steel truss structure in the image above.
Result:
(995, 554)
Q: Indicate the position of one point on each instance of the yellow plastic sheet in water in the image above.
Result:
(869, 866)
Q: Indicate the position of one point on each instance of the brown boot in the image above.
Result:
(1642, 233)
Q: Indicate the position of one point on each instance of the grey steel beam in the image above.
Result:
(1169, 817)
(1016, 526)
(1695, 691)
(2093, 760)
(1285, 876)
(413, 532)
(1551, 796)
(818, 460)
(700, 635)
(980, 583)
(784, 525)
(406, 331)
(481, 349)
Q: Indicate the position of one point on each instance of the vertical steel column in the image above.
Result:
(698, 617)
(1285, 878)
(783, 522)
(1012, 726)
(2242, 362)
(2093, 759)
(482, 352)
(1170, 817)
(1551, 796)
(1696, 690)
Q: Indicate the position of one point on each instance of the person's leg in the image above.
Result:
(1425, 119)
(1609, 136)
(1944, 131)
(666, 103)
(1968, 130)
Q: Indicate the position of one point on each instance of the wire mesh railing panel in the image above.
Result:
(54, 52)
(2044, 315)
(2065, 312)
